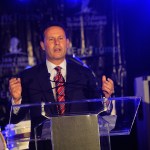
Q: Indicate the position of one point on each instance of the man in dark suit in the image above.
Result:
(36, 85)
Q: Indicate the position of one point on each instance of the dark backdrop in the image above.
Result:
(22, 18)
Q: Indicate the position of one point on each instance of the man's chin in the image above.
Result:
(58, 58)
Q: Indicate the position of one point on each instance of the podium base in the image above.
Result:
(75, 133)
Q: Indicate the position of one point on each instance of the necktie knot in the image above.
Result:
(58, 69)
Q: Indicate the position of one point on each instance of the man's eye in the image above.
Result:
(51, 39)
(60, 38)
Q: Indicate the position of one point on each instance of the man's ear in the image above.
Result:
(42, 45)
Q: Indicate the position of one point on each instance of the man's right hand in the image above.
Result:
(15, 89)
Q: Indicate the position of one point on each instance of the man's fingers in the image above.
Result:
(111, 81)
(103, 78)
(14, 81)
(107, 89)
(107, 86)
(14, 84)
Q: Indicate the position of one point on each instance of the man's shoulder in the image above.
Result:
(79, 71)
(78, 66)
(33, 70)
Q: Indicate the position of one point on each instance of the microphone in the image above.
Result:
(56, 82)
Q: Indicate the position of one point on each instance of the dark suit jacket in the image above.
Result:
(80, 84)
(36, 87)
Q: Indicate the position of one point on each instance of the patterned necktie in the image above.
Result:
(60, 90)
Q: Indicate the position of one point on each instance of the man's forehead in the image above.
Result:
(54, 30)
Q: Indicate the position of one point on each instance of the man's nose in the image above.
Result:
(56, 41)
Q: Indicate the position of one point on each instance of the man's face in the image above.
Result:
(55, 44)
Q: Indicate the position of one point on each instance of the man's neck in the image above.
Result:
(56, 62)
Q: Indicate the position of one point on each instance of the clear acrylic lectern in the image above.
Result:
(86, 124)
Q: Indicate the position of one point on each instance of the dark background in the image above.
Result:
(22, 18)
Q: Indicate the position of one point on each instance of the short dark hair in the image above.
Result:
(50, 24)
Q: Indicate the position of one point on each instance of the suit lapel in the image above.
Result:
(44, 81)
(71, 78)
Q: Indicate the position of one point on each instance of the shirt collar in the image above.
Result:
(51, 66)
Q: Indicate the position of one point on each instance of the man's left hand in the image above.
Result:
(107, 86)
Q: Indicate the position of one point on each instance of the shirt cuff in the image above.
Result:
(15, 110)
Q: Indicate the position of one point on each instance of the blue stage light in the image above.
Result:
(23, 1)
(73, 2)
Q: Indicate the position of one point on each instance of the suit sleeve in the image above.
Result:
(92, 86)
